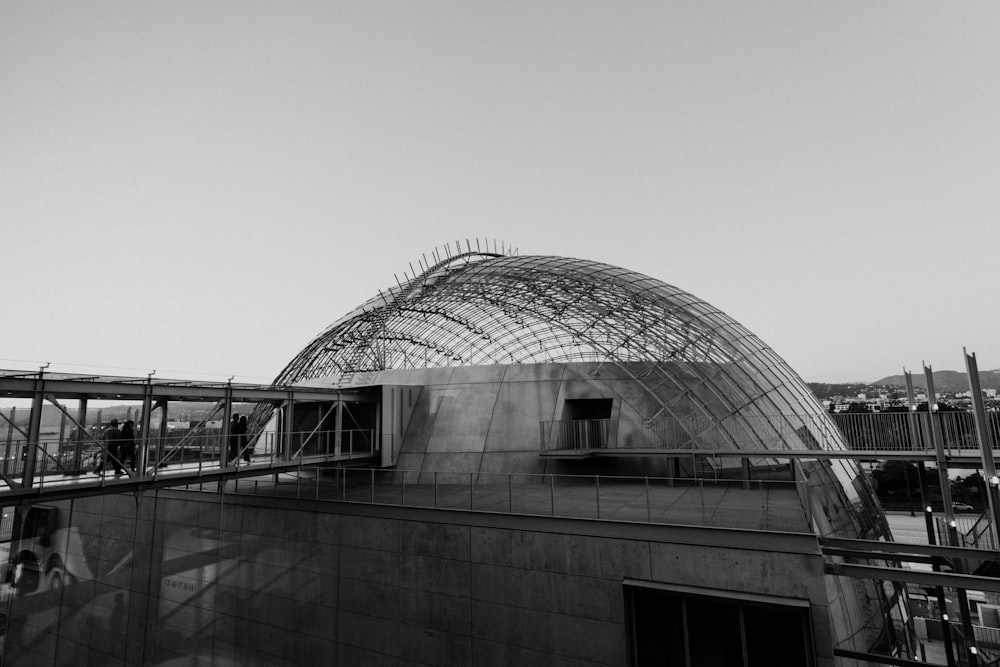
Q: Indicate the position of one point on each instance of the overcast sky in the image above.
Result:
(201, 187)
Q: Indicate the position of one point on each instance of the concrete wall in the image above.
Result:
(261, 581)
(486, 419)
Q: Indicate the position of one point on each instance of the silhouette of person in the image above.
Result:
(111, 440)
(243, 439)
(127, 444)
(234, 439)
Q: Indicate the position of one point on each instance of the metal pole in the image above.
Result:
(34, 429)
(552, 494)
(647, 498)
(985, 444)
(80, 429)
(338, 428)
(289, 425)
(949, 651)
(949, 511)
(227, 418)
(938, 439)
(597, 487)
(147, 419)
(161, 442)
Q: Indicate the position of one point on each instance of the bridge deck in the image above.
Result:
(58, 486)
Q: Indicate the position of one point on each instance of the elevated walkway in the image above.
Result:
(61, 486)
(289, 427)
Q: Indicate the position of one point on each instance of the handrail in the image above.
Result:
(728, 503)
(198, 455)
(883, 431)
(982, 526)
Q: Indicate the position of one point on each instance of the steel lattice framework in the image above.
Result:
(481, 308)
(711, 379)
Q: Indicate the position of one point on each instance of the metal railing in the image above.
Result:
(901, 431)
(886, 431)
(760, 504)
(981, 534)
(580, 434)
(972, 532)
(174, 454)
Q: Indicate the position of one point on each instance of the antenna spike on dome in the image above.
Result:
(426, 263)
(468, 246)
(414, 271)
(477, 245)
(458, 248)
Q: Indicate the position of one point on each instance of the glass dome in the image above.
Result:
(713, 381)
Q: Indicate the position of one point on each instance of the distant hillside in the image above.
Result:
(825, 390)
(51, 416)
(946, 380)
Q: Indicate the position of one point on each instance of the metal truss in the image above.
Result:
(706, 374)
(478, 307)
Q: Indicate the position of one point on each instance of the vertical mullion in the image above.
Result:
(687, 641)
(743, 635)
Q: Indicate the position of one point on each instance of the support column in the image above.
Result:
(34, 430)
(147, 418)
(81, 427)
(289, 425)
(985, 443)
(227, 418)
(949, 513)
(929, 518)
(938, 439)
(163, 430)
(338, 429)
(10, 441)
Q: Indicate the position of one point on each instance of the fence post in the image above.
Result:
(435, 489)
(510, 494)
(701, 491)
(597, 486)
(552, 494)
(648, 518)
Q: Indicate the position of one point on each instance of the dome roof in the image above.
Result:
(476, 309)
(698, 379)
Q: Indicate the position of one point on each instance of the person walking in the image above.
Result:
(234, 440)
(112, 436)
(243, 439)
(127, 444)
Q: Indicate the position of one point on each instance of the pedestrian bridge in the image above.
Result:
(53, 449)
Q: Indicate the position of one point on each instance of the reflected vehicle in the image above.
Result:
(962, 507)
(45, 552)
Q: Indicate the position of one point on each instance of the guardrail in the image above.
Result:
(763, 505)
(192, 453)
(885, 431)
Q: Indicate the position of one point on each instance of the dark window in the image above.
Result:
(680, 628)
(587, 423)
(587, 408)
